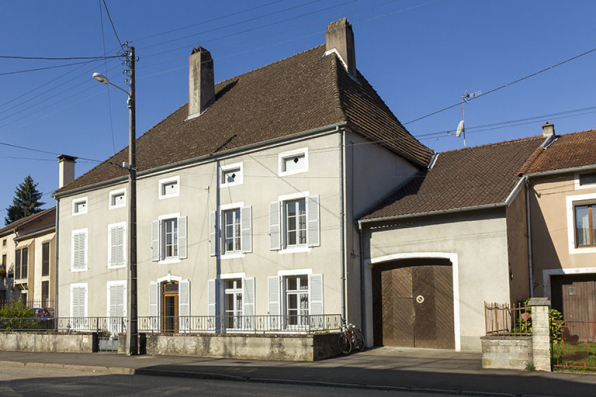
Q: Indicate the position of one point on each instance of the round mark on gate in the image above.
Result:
(420, 299)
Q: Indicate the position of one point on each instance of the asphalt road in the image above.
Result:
(21, 381)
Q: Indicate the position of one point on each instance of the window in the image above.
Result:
(45, 259)
(117, 246)
(587, 179)
(168, 238)
(231, 175)
(117, 198)
(79, 250)
(4, 243)
(296, 300)
(169, 187)
(233, 303)
(294, 222)
(21, 263)
(79, 206)
(170, 233)
(293, 162)
(234, 227)
(45, 293)
(78, 305)
(4, 260)
(585, 225)
(116, 306)
(231, 231)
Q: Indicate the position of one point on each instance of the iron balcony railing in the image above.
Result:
(111, 326)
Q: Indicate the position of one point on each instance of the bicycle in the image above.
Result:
(349, 338)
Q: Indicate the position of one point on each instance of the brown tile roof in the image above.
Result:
(463, 178)
(10, 228)
(299, 93)
(567, 151)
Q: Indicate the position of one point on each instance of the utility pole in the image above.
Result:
(132, 334)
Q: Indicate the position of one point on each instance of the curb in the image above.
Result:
(73, 367)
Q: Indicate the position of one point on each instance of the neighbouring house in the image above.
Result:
(562, 207)
(452, 238)
(248, 198)
(27, 249)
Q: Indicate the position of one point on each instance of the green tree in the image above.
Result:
(26, 201)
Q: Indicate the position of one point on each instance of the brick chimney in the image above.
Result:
(66, 169)
(548, 129)
(201, 85)
(339, 39)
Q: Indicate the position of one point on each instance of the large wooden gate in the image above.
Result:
(575, 296)
(413, 305)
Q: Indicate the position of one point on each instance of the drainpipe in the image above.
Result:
(56, 284)
(362, 286)
(529, 226)
(342, 248)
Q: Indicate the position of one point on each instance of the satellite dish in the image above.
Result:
(460, 129)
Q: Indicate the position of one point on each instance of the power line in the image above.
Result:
(112, 23)
(103, 41)
(208, 21)
(504, 85)
(47, 67)
(58, 58)
(43, 151)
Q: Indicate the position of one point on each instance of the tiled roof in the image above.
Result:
(22, 221)
(299, 93)
(567, 151)
(464, 178)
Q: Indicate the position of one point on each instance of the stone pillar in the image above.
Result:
(540, 333)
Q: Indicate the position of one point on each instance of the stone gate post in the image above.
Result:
(540, 333)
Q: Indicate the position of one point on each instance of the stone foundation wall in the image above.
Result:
(274, 347)
(47, 342)
(508, 352)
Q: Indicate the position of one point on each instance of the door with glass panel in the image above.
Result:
(296, 301)
(233, 303)
(170, 307)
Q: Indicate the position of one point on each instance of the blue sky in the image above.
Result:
(419, 55)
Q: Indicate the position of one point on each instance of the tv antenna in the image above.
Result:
(461, 128)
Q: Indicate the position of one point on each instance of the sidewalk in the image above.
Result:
(385, 368)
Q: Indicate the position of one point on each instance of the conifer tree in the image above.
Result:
(26, 201)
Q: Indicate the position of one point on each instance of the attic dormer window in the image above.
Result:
(293, 162)
(230, 175)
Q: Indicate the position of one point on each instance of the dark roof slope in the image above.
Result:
(299, 93)
(463, 178)
(16, 224)
(567, 151)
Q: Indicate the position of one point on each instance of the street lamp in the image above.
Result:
(132, 315)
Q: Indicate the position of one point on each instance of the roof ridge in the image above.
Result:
(509, 142)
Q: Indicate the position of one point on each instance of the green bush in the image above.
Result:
(554, 318)
(15, 316)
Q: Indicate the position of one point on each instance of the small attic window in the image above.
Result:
(79, 206)
(231, 175)
(169, 187)
(293, 162)
(587, 179)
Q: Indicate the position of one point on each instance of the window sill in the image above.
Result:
(295, 250)
(117, 267)
(78, 270)
(169, 261)
(234, 255)
(583, 250)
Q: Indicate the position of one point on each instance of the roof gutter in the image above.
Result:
(442, 212)
(515, 191)
(36, 233)
(328, 129)
(562, 171)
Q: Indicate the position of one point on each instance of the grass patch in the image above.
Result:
(572, 355)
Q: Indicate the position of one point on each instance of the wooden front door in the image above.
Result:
(413, 306)
(575, 296)
(170, 307)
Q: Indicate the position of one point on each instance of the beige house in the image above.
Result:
(247, 199)
(561, 197)
(27, 250)
(440, 246)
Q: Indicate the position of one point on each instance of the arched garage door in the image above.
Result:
(413, 304)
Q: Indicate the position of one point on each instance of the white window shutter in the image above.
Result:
(313, 229)
(248, 303)
(155, 252)
(153, 305)
(211, 304)
(212, 232)
(79, 247)
(246, 219)
(274, 226)
(120, 231)
(113, 308)
(315, 301)
(182, 240)
(274, 303)
(184, 306)
(116, 252)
